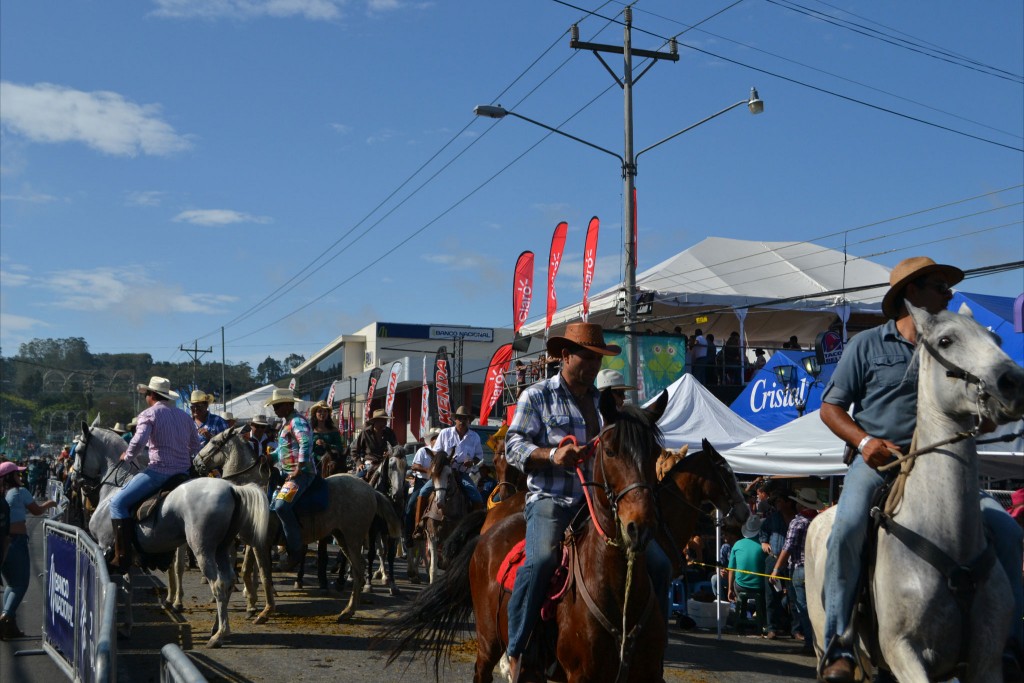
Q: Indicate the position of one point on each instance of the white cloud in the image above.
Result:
(103, 120)
(315, 10)
(218, 217)
(459, 261)
(10, 279)
(144, 198)
(129, 291)
(29, 196)
(383, 136)
(341, 128)
(10, 324)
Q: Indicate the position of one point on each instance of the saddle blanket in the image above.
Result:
(556, 588)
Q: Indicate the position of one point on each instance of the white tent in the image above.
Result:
(693, 413)
(718, 273)
(806, 446)
(248, 406)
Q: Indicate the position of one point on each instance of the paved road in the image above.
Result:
(302, 642)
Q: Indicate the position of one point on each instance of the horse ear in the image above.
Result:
(710, 450)
(96, 421)
(657, 408)
(85, 430)
(923, 320)
(966, 310)
(609, 411)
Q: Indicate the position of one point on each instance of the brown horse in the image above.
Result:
(609, 591)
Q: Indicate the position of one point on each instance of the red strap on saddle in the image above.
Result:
(511, 564)
(556, 589)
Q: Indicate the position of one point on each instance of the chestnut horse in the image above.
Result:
(609, 622)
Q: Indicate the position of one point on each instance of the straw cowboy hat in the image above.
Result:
(807, 497)
(612, 379)
(431, 435)
(752, 527)
(588, 335)
(281, 396)
(908, 270)
(463, 411)
(8, 467)
(319, 405)
(198, 396)
(260, 421)
(133, 424)
(379, 414)
(118, 428)
(159, 385)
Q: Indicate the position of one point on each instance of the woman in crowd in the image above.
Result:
(16, 570)
(326, 437)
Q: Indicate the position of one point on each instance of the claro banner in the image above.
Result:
(554, 260)
(589, 260)
(495, 382)
(522, 289)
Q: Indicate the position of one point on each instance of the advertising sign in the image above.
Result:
(522, 289)
(554, 260)
(828, 347)
(441, 387)
(61, 587)
(589, 262)
(88, 609)
(495, 381)
(396, 370)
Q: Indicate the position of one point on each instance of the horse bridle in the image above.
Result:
(610, 493)
(717, 468)
(220, 446)
(91, 484)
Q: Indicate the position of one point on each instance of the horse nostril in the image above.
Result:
(1011, 385)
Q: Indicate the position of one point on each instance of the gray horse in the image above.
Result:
(352, 506)
(205, 513)
(921, 633)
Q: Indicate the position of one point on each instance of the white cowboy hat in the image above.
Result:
(159, 385)
(260, 421)
(133, 424)
(118, 428)
(281, 396)
(611, 379)
(199, 397)
(752, 527)
(807, 497)
(432, 435)
(379, 414)
(228, 417)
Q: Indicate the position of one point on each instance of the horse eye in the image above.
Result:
(945, 342)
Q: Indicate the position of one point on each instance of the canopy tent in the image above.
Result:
(995, 313)
(693, 413)
(719, 274)
(767, 404)
(248, 406)
(806, 446)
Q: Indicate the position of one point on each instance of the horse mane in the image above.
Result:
(438, 463)
(637, 434)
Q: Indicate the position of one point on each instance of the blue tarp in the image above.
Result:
(995, 313)
(766, 404)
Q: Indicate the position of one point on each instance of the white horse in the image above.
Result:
(389, 480)
(351, 508)
(205, 513)
(922, 634)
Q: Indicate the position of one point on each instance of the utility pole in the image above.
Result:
(628, 164)
(457, 350)
(194, 353)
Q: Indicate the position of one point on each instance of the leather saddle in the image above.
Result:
(559, 580)
(148, 507)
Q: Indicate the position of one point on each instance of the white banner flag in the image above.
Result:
(396, 370)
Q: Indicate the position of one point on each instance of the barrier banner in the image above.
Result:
(424, 403)
(589, 260)
(371, 386)
(441, 387)
(396, 370)
(522, 290)
(495, 382)
(554, 260)
(89, 611)
(61, 589)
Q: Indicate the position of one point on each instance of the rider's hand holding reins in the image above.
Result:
(567, 455)
(878, 452)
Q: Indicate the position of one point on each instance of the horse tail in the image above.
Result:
(254, 520)
(436, 616)
(468, 528)
(386, 511)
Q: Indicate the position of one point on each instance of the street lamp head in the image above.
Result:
(784, 374)
(812, 366)
(755, 104)
(490, 111)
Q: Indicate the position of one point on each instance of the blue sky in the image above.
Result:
(170, 166)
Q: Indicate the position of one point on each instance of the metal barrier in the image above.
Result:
(81, 604)
(176, 667)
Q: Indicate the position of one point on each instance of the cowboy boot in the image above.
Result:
(421, 505)
(122, 544)
(9, 627)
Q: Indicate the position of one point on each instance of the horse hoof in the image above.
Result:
(261, 619)
(214, 643)
(393, 590)
(342, 618)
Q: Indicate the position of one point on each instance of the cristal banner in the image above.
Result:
(662, 361)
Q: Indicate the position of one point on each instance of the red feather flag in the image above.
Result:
(522, 290)
(495, 382)
(589, 260)
(554, 260)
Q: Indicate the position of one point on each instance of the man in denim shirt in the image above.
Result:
(548, 411)
(876, 376)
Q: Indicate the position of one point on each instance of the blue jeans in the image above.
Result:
(546, 522)
(846, 544)
(144, 484)
(16, 573)
(472, 492)
(798, 591)
(284, 511)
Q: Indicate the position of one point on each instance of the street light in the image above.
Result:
(629, 170)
